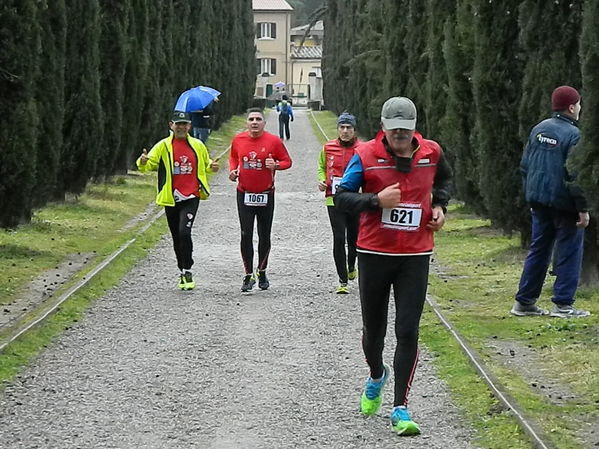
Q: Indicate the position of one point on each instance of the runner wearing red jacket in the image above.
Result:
(400, 183)
(255, 157)
(334, 157)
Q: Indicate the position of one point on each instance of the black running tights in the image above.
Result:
(180, 218)
(342, 222)
(247, 215)
(409, 276)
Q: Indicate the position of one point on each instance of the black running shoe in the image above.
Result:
(248, 283)
(263, 280)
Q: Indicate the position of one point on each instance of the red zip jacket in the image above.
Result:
(337, 157)
(403, 230)
(248, 155)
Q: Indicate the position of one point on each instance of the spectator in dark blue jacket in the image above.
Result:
(559, 210)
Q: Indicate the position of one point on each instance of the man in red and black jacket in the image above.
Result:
(404, 181)
(255, 157)
(334, 157)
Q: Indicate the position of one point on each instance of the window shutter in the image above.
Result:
(273, 30)
(273, 66)
(258, 36)
(258, 67)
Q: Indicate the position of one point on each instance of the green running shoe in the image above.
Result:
(372, 397)
(402, 422)
(189, 282)
(343, 289)
(181, 283)
(352, 274)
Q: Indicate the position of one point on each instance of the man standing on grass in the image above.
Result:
(255, 157)
(404, 181)
(183, 165)
(558, 207)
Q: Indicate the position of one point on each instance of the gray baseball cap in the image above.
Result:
(399, 112)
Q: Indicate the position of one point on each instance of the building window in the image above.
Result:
(266, 30)
(266, 65)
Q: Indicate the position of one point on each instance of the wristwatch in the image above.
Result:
(374, 201)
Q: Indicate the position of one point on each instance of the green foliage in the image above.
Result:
(303, 10)
(83, 121)
(19, 131)
(458, 51)
(86, 85)
(547, 66)
(50, 91)
(496, 75)
(115, 51)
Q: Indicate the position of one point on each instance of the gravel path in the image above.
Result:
(153, 367)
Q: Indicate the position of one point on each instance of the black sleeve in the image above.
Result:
(442, 183)
(355, 202)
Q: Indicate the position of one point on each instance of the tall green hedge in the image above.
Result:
(481, 73)
(20, 57)
(84, 86)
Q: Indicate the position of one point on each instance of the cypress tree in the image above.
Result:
(438, 13)
(19, 122)
(458, 50)
(159, 95)
(395, 79)
(497, 90)
(248, 75)
(50, 95)
(83, 124)
(366, 67)
(416, 65)
(136, 74)
(338, 52)
(114, 53)
(548, 62)
(586, 160)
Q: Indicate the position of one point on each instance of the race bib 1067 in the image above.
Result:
(255, 199)
(402, 218)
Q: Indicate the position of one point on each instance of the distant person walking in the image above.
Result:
(334, 157)
(183, 165)
(285, 115)
(399, 181)
(558, 207)
(255, 157)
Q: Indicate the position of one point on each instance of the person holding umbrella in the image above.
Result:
(200, 121)
(256, 155)
(199, 102)
(183, 165)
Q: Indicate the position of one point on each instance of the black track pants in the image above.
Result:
(180, 220)
(342, 223)
(409, 276)
(284, 126)
(247, 215)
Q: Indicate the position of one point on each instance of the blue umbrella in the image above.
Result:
(196, 98)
